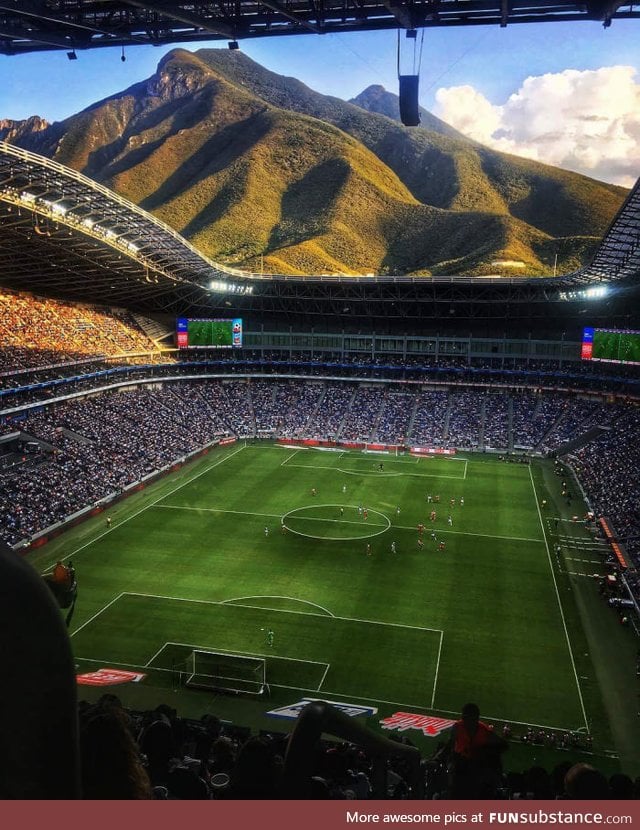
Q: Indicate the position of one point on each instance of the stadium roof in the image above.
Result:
(36, 25)
(64, 235)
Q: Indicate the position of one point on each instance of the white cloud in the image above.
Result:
(586, 121)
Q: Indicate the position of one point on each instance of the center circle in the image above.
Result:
(335, 522)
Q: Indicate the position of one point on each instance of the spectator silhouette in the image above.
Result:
(110, 762)
(474, 752)
(583, 781)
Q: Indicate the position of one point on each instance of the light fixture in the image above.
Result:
(233, 44)
(72, 55)
(123, 57)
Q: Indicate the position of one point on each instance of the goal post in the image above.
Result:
(219, 671)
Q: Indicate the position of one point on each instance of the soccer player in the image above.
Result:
(344, 488)
(433, 536)
(429, 498)
(461, 501)
(368, 549)
(420, 529)
(393, 547)
(266, 530)
(420, 543)
(270, 637)
(398, 510)
(314, 492)
(432, 515)
(441, 546)
(108, 521)
(452, 502)
(381, 467)
(365, 513)
(449, 520)
(436, 499)
(342, 511)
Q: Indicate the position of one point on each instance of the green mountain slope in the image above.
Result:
(257, 170)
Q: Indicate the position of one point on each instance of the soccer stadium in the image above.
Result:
(268, 536)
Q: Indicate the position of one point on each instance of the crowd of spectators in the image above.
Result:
(329, 417)
(157, 754)
(395, 417)
(608, 470)
(464, 420)
(37, 332)
(363, 415)
(102, 444)
(496, 421)
(429, 419)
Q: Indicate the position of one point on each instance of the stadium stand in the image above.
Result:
(37, 331)
(85, 424)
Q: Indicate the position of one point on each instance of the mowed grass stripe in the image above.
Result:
(309, 640)
(491, 595)
(351, 464)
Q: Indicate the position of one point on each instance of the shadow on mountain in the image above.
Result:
(307, 204)
(215, 155)
(183, 114)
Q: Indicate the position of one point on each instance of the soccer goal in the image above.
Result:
(226, 672)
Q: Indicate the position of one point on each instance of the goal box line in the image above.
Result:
(279, 669)
(226, 671)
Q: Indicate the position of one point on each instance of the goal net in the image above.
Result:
(226, 672)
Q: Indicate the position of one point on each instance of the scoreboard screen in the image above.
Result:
(611, 345)
(213, 333)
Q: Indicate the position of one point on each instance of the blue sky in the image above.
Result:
(469, 75)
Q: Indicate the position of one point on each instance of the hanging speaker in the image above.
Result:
(409, 108)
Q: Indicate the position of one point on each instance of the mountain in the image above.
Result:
(13, 131)
(376, 99)
(258, 170)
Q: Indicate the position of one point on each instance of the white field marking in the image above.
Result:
(215, 510)
(377, 473)
(466, 464)
(326, 671)
(360, 697)
(574, 573)
(120, 663)
(360, 538)
(274, 596)
(588, 561)
(278, 611)
(432, 526)
(91, 619)
(435, 679)
(362, 523)
(293, 454)
(151, 659)
(555, 585)
(199, 647)
(516, 722)
(151, 504)
(342, 521)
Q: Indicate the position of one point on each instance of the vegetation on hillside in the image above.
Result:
(261, 172)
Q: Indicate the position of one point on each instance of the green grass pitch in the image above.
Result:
(243, 545)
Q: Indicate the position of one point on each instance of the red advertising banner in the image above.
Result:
(109, 677)
(432, 451)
